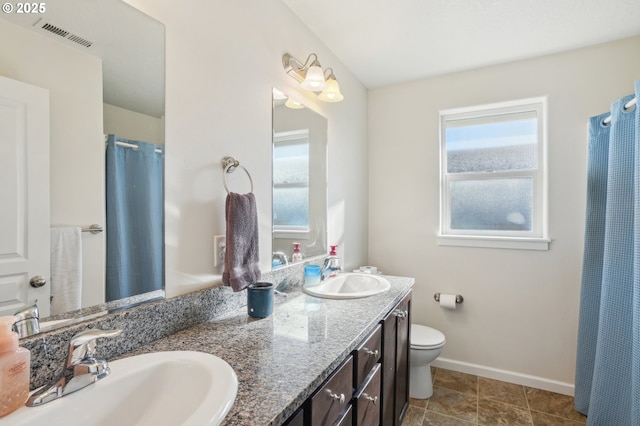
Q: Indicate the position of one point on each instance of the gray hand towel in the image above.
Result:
(241, 260)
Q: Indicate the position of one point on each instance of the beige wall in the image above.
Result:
(223, 58)
(519, 318)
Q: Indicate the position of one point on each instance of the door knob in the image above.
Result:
(37, 281)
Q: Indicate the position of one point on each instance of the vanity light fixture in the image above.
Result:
(332, 92)
(293, 104)
(278, 94)
(311, 77)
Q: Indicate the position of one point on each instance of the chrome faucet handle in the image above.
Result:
(27, 320)
(332, 264)
(81, 370)
(83, 345)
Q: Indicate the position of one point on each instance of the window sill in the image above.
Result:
(291, 234)
(494, 242)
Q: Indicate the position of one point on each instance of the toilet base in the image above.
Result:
(421, 384)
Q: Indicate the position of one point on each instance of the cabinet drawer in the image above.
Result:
(334, 396)
(347, 418)
(368, 400)
(368, 355)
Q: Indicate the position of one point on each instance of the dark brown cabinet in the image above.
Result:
(395, 363)
(368, 400)
(371, 387)
(367, 355)
(334, 397)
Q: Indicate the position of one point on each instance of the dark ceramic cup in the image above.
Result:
(260, 299)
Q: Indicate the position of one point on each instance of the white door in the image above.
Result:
(24, 195)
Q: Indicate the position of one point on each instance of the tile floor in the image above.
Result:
(464, 399)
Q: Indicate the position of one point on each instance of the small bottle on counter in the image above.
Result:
(297, 254)
(15, 369)
(332, 262)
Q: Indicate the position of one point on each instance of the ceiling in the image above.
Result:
(385, 42)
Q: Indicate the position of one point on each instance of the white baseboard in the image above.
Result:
(505, 376)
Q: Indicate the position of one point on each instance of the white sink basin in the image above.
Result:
(349, 286)
(161, 388)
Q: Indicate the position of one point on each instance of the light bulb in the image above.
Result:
(332, 92)
(293, 104)
(314, 80)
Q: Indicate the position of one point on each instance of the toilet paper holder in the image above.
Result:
(459, 298)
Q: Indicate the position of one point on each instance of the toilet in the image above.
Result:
(426, 345)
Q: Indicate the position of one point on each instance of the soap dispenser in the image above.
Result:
(331, 263)
(297, 255)
(15, 369)
(333, 251)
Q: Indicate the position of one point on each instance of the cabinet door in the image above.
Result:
(403, 346)
(389, 327)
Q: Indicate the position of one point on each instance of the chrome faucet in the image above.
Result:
(27, 320)
(82, 367)
(280, 257)
(331, 265)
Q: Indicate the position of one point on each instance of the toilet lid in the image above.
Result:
(425, 337)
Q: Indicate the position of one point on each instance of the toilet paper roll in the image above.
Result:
(448, 301)
(369, 269)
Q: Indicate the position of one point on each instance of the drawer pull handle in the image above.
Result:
(339, 398)
(370, 352)
(400, 314)
(373, 399)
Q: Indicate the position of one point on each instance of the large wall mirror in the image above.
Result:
(103, 63)
(299, 180)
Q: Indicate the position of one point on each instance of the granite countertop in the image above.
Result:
(282, 359)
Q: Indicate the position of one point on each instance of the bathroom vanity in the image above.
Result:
(284, 363)
(314, 361)
(371, 386)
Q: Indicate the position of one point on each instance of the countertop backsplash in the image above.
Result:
(148, 322)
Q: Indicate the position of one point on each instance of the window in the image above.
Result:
(291, 181)
(493, 191)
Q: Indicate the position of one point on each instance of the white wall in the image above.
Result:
(223, 58)
(74, 81)
(520, 313)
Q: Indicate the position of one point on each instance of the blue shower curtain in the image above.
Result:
(608, 360)
(135, 218)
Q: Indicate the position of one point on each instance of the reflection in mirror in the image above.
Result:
(299, 181)
(103, 65)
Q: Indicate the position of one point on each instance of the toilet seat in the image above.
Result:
(423, 337)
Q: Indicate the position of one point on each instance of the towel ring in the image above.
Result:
(229, 165)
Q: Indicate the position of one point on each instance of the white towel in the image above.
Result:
(66, 269)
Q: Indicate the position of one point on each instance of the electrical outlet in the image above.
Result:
(219, 247)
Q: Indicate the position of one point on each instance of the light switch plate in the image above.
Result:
(219, 247)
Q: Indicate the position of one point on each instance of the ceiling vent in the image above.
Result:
(54, 29)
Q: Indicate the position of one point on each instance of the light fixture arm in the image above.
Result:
(330, 74)
(308, 64)
(297, 69)
(290, 63)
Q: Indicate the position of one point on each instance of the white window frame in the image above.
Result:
(286, 231)
(537, 238)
